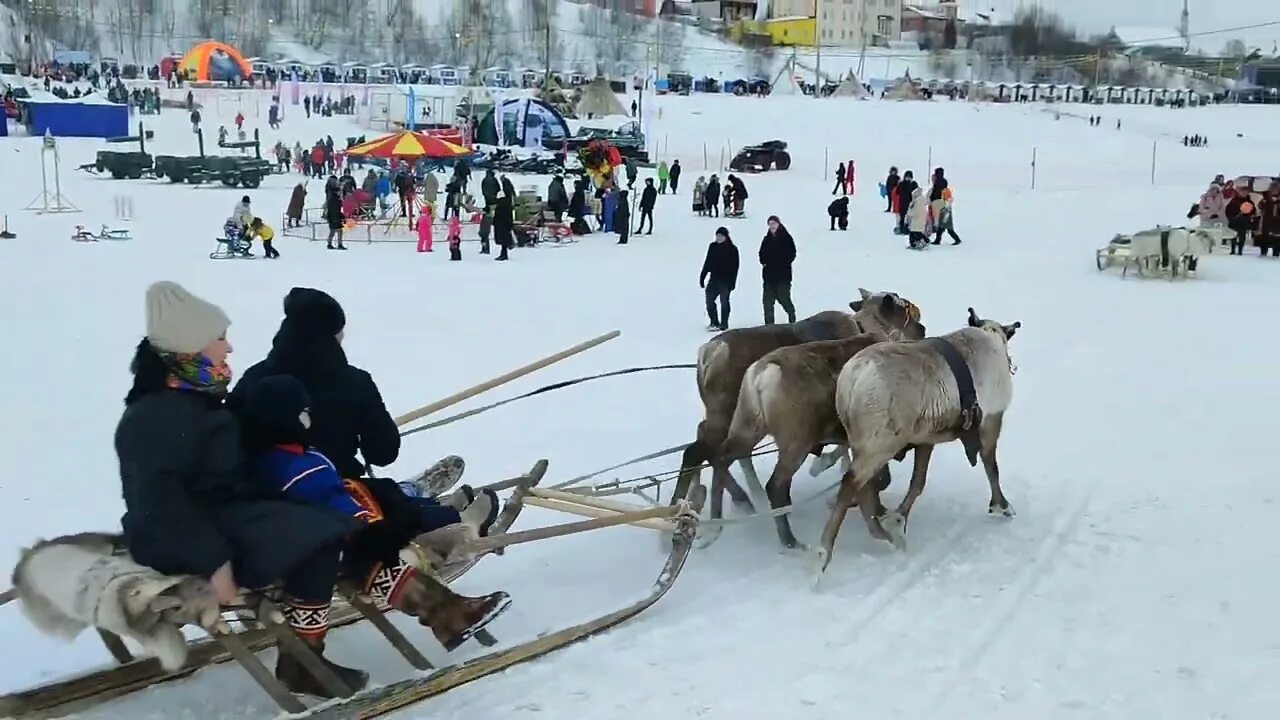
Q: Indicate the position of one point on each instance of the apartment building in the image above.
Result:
(849, 23)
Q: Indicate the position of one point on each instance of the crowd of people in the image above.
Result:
(1224, 205)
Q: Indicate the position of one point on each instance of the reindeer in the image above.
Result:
(723, 360)
(897, 396)
(790, 393)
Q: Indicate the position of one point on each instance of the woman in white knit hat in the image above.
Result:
(191, 508)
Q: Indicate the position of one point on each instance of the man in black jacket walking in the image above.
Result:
(719, 277)
(674, 175)
(777, 252)
(648, 198)
(905, 189)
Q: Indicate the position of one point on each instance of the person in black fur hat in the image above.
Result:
(347, 417)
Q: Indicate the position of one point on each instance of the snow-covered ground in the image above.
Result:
(1135, 582)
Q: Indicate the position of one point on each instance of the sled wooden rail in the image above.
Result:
(591, 507)
(487, 385)
(490, 544)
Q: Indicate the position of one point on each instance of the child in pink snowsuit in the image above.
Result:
(424, 228)
(455, 238)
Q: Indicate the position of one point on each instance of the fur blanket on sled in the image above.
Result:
(76, 581)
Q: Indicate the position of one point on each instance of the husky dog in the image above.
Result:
(76, 581)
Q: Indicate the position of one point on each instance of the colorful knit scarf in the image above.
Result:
(194, 371)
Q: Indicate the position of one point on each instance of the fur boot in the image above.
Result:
(453, 618)
(311, 624)
(448, 545)
(479, 510)
(76, 581)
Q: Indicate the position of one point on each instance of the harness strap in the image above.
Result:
(970, 411)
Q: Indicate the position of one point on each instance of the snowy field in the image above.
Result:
(1137, 580)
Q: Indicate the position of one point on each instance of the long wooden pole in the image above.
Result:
(489, 544)
(503, 379)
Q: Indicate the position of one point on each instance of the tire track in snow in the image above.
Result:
(1028, 579)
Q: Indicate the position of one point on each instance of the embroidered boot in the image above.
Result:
(311, 623)
(453, 618)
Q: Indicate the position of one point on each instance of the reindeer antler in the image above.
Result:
(974, 320)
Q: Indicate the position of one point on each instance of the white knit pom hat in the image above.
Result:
(180, 322)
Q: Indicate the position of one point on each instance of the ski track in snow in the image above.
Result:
(1132, 583)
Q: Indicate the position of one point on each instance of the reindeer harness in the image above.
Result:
(970, 411)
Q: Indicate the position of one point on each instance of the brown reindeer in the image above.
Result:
(723, 361)
(790, 393)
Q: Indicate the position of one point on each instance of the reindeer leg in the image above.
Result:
(780, 493)
(710, 532)
(690, 466)
(895, 523)
(844, 500)
(755, 491)
(989, 435)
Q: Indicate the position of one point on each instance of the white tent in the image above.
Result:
(598, 100)
(904, 89)
(851, 87)
(785, 83)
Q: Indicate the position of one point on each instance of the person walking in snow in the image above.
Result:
(1241, 214)
(944, 221)
(700, 196)
(719, 277)
(648, 198)
(917, 219)
(711, 200)
(622, 217)
(675, 176)
(664, 174)
(890, 189)
(840, 186)
(905, 190)
(777, 253)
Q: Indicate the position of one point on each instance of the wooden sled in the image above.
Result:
(258, 633)
(384, 700)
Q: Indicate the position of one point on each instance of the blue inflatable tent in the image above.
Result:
(83, 117)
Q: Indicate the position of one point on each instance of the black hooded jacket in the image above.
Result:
(347, 411)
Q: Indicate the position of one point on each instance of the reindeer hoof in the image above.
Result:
(997, 511)
(708, 534)
(820, 560)
(895, 527)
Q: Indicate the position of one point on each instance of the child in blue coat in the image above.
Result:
(276, 416)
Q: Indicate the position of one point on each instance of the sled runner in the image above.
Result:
(106, 233)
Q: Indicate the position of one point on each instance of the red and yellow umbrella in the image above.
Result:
(408, 144)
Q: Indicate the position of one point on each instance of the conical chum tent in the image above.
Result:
(851, 87)
(215, 61)
(784, 84)
(904, 89)
(598, 100)
(408, 144)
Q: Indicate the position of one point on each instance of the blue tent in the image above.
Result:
(4, 123)
(77, 118)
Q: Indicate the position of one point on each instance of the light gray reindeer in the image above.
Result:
(897, 396)
(723, 360)
(790, 394)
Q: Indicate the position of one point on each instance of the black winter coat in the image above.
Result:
(712, 194)
(333, 209)
(347, 411)
(557, 198)
(674, 173)
(504, 215)
(190, 507)
(721, 265)
(1237, 221)
(1269, 216)
(905, 189)
(891, 182)
(578, 203)
(777, 252)
(838, 208)
(739, 189)
(489, 188)
(648, 197)
(935, 190)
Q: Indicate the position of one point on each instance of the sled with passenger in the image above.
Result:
(140, 613)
